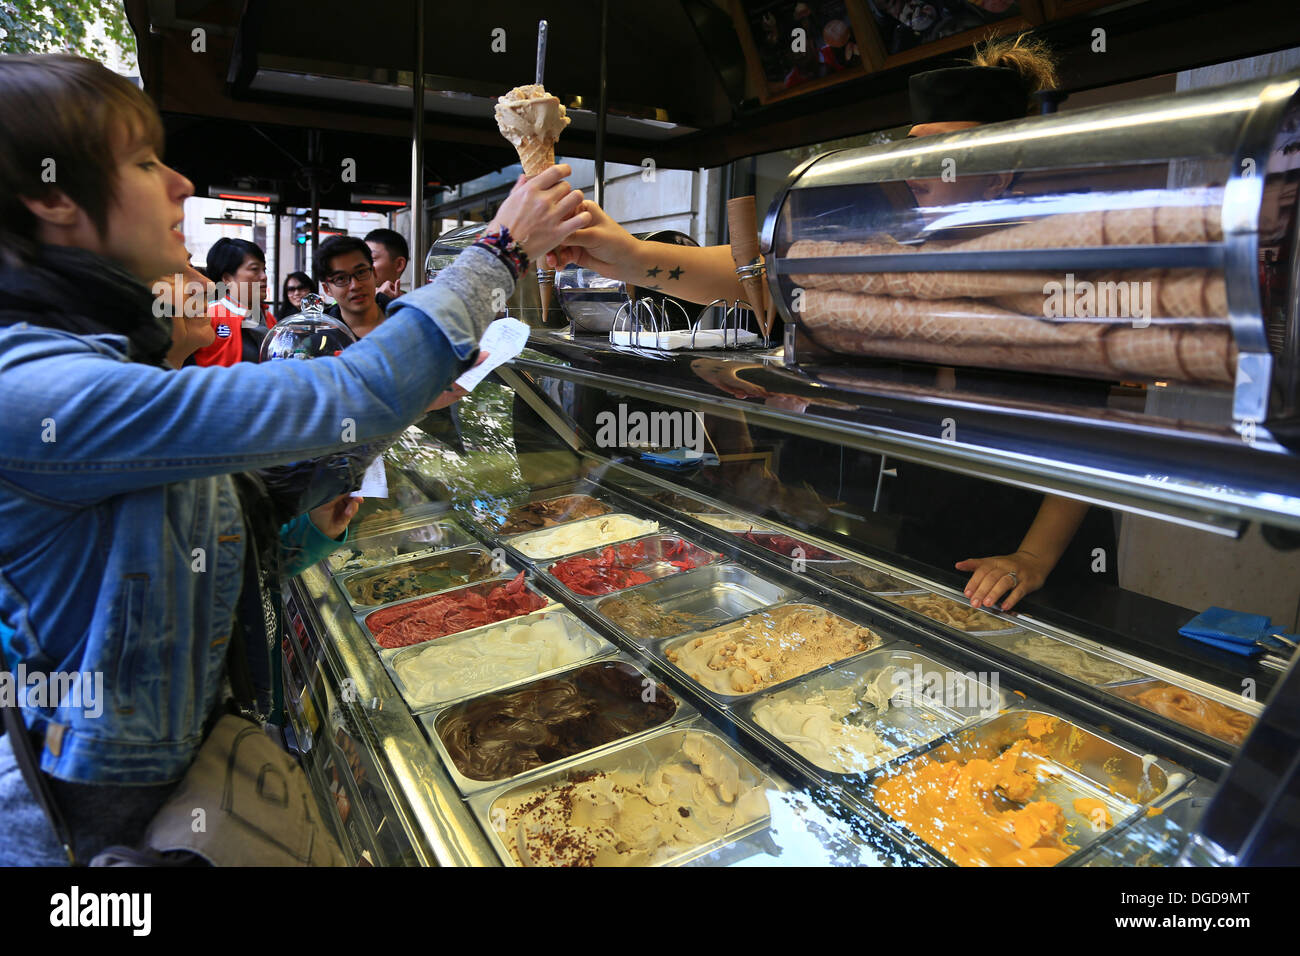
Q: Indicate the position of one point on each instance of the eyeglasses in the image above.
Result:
(341, 280)
(297, 288)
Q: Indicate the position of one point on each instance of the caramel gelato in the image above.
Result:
(1193, 710)
(951, 613)
(769, 647)
(532, 120)
(537, 515)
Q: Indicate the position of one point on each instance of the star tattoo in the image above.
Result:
(654, 273)
(675, 273)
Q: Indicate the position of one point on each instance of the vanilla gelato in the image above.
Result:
(1072, 661)
(633, 818)
(769, 647)
(582, 535)
(828, 728)
(509, 652)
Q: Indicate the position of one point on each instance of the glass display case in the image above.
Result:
(1148, 241)
(582, 649)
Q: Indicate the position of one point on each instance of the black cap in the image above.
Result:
(983, 94)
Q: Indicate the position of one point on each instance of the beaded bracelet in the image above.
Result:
(511, 253)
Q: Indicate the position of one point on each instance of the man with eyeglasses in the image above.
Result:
(346, 270)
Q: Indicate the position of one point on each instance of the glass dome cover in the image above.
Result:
(309, 334)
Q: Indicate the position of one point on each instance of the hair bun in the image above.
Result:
(1025, 53)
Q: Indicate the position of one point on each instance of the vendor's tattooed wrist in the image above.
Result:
(675, 273)
(653, 273)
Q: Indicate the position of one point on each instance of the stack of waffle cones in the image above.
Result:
(1010, 319)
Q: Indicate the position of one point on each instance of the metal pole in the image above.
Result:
(313, 154)
(601, 105)
(417, 151)
(275, 269)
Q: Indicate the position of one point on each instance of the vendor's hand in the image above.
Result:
(604, 246)
(990, 579)
(542, 212)
(723, 375)
(454, 392)
(332, 518)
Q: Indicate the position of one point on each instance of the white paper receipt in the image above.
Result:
(503, 340)
(374, 484)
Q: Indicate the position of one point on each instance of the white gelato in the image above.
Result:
(512, 651)
(821, 727)
(633, 818)
(582, 535)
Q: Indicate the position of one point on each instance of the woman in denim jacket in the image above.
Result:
(124, 538)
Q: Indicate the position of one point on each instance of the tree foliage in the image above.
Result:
(87, 27)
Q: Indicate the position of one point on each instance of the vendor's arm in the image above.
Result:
(1041, 548)
(694, 273)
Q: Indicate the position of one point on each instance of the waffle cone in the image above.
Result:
(873, 283)
(942, 321)
(536, 155)
(1180, 223)
(1151, 352)
(1208, 354)
(1129, 227)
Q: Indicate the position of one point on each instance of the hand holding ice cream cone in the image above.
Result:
(542, 212)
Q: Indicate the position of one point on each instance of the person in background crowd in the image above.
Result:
(296, 285)
(240, 319)
(345, 267)
(101, 525)
(390, 253)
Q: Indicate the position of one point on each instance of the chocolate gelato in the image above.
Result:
(499, 735)
(547, 514)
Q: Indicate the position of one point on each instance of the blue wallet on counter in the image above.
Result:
(1236, 631)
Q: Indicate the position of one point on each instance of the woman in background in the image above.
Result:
(296, 285)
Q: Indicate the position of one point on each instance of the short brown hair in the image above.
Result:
(73, 112)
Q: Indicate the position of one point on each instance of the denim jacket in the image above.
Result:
(123, 541)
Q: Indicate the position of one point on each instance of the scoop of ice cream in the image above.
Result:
(630, 817)
(530, 113)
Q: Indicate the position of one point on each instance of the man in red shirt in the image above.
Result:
(240, 268)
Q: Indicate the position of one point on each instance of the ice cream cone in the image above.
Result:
(1208, 354)
(873, 283)
(1129, 227)
(536, 155)
(532, 120)
(950, 321)
(1150, 352)
(1180, 224)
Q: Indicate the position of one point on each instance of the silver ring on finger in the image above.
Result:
(1014, 577)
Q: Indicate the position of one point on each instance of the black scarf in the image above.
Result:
(77, 291)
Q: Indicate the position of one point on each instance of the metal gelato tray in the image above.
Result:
(715, 594)
(394, 660)
(766, 541)
(662, 649)
(1091, 665)
(925, 698)
(518, 544)
(899, 600)
(636, 756)
(579, 495)
(481, 587)
(421, 536)
(460, 560)
(652, 556)
(1200, 706)
(1077, 764)
(436, 720)
(877, 579)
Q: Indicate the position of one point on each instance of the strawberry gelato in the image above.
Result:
(417, 621)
